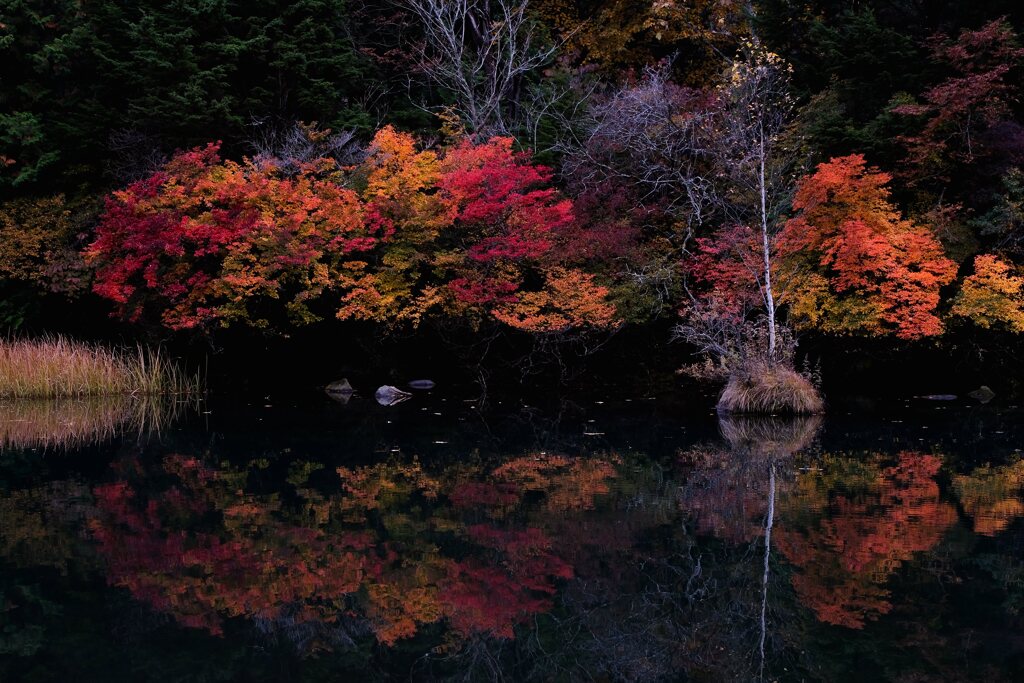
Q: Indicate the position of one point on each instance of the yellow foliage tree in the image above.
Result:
(993, 296)
(631, 32)
(37, 244)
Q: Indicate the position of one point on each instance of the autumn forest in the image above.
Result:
(719, 179)
(511, 340)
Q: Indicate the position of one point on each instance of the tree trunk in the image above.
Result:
(769, 297)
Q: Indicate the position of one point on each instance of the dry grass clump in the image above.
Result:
(769, 389)
(55, 367)
(72, 423)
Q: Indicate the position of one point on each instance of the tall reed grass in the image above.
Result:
(58, 367)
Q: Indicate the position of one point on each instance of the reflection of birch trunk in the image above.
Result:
(769, 520)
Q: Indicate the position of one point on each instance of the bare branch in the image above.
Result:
(293, 146)
(480, 51)
(650, 135)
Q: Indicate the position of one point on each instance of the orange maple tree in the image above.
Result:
(399, 186)
(851, 263)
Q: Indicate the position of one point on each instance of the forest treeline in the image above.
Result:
(743, 172)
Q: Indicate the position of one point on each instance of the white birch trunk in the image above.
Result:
(769, 296)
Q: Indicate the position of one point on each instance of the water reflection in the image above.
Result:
(383, 549)
(849, 527)
(991, 496)
(745, 556)
(75, 423)
(40, 524)
(727, 489)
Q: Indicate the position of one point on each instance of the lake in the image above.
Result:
(635, 538)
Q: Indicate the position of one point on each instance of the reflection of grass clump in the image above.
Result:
(70, 423)
(55, 367)
(773, 437)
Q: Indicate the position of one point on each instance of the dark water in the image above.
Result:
(625, 539)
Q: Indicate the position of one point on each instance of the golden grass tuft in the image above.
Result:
(769, 389)
(58, 367)
(72, 423)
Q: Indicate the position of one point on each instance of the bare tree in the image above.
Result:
(704, 156)
(731, 343)
(754, 109)
(480, 51)
(134, 155)
(707, 157)
(648, 136)
(652, 136)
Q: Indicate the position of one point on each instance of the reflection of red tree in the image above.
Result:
(493, 597)
(256, 565)
(846, 558)
(204, 550)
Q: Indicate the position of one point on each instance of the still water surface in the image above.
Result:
(625, 539)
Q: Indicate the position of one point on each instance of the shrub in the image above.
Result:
(993, 296)
(476, 233)
(38, 243)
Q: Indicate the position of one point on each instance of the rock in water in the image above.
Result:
(340, 387)
(422, 384)
(982, 394)
(343, 399)
(388, 395)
